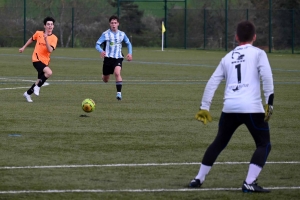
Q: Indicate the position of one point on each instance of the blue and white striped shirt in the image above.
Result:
(113, 43)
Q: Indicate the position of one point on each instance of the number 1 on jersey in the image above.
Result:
(238, 67)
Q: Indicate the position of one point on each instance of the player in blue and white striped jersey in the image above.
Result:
(112, 53)
(242, 68)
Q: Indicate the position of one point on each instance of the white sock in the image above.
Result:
(203, 171)
(253, 173)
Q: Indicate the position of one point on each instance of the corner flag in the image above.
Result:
(163, 29)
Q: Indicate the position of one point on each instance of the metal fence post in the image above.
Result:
(118, 11)
(185, 25)
(24, 14)
(293, 30)
(166, 25)
(204, 28)
(270, 26)
(73, 27)
(226, 25)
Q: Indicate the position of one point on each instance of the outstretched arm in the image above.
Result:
(29, 41)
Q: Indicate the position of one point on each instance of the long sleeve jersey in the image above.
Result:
(242, 68)
(113, 43)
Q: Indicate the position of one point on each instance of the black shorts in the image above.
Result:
(39, 66)
(109, 65)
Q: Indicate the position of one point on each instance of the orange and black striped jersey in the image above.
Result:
(41, 52)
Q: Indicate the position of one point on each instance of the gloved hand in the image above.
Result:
(268, 112)
(203, 116)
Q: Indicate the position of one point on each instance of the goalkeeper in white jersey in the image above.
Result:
(112, 52)
(242, 68)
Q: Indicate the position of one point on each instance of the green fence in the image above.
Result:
(211, 29)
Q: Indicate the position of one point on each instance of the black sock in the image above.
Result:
(119, 86)
(30, 91)
(42, 80)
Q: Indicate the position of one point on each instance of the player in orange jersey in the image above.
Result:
(45, 44)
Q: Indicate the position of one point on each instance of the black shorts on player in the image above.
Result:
(39, 66)
(109, 65)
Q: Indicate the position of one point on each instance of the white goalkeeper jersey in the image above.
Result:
(113, 43)
(242, 69)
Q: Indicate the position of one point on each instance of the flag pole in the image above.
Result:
(163, 29)
(162, 41)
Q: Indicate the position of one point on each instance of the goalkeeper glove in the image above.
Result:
(203, 116)
(269, 108)
(268, 112)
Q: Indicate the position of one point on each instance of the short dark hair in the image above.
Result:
(245, 31)
(114, 17)
(49, 19)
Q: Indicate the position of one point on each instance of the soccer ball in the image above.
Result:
(88, 105)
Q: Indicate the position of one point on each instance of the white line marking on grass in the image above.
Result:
(169, 51)
(124, 80)
(140, 62)
(9, 79)
(130, 80)
(13, 88)
(139, 190)
(137, 165)
(99, 80)
(134, 61)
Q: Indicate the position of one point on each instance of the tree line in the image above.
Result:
(202, 25)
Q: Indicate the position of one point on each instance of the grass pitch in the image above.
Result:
(147, 146)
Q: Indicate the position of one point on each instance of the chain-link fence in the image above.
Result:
(277, 31)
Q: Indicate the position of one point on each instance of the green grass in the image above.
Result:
(154, 123)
